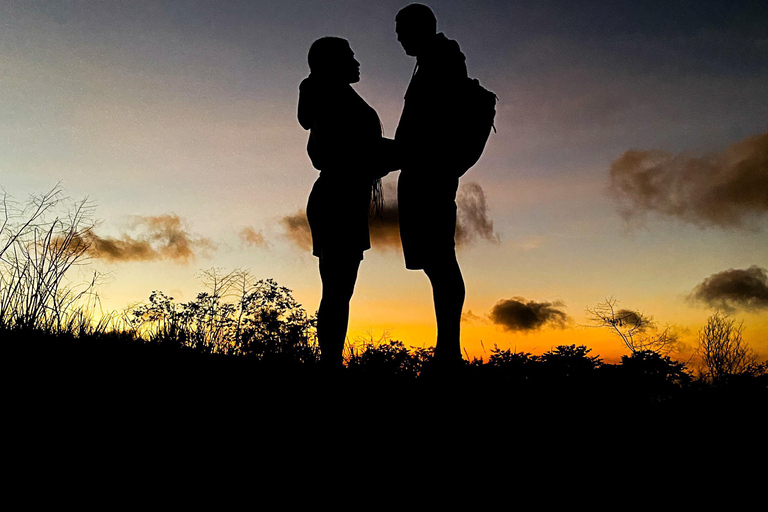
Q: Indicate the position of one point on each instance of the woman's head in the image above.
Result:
(331, 57)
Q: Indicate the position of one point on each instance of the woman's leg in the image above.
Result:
(338, 278)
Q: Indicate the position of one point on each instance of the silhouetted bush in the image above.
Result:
(570, 361)
(647, 375)
(650, 366)
(388, 359)
(505, 365)
(264, 321)
(568, 367)
(275, 325)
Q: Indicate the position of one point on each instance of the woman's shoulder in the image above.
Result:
(317, 99)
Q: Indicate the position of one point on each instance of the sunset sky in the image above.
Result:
(630, 159)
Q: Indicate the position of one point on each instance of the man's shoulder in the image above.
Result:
(446, 45)
(445, 56)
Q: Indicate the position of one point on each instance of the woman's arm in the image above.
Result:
(387, 156)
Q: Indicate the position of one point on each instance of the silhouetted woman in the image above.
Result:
(347, 147)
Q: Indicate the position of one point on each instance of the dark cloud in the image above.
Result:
(632, 319)
(734, 288)
(251, 237)
(297, 229)
(517, 314)
(159, 238)
(726, 189)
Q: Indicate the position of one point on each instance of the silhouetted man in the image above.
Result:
(429, 177)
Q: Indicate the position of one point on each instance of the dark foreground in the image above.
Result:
(157, 405)
(135, 380)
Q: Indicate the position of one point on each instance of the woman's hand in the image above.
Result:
(387, 157)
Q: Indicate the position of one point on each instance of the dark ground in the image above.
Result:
(155, 406)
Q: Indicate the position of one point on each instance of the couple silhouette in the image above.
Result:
(347, 146)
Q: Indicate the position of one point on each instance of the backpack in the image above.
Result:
(475, 111)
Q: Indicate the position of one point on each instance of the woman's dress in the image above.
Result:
(345, 145)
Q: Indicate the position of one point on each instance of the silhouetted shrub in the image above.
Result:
(569, 361)
(649, 375)
(508, 365)
(275, 326)
(264, 321)
(652, 366)
(388, 359)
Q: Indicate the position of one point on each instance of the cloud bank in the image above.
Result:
(518, 314)
(159, 238)
(727, 189)
(734, 288)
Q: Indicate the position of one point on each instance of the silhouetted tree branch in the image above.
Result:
(722, 348)
(637, 331)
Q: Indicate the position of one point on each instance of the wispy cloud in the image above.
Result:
(468, 317)
(532, 242)
(727, 189)
(156, 238)
(734, 288)
(519, 314)
(473, 221)
(251, 237)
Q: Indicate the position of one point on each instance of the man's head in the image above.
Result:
(332, 58)
(415, 26)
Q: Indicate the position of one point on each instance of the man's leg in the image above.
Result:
(448, 293)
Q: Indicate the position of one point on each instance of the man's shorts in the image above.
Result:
(427, 213)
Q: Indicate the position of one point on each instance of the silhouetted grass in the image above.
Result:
(109, 364)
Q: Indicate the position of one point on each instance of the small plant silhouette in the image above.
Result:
(40, 243)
